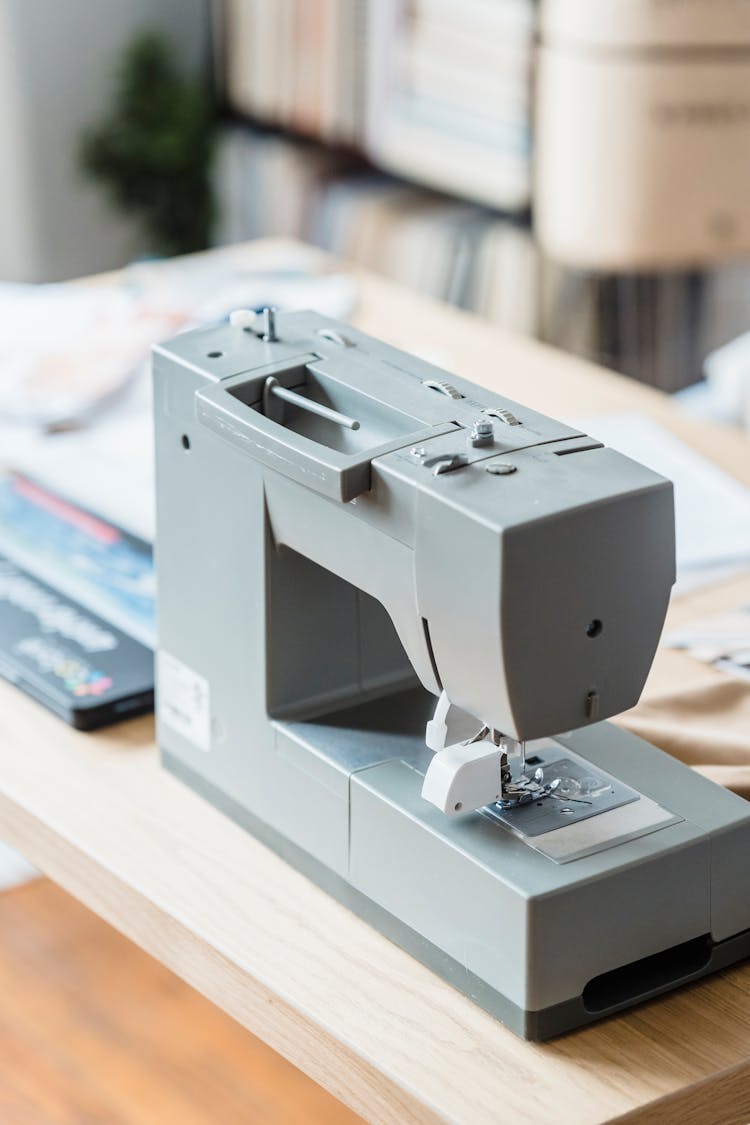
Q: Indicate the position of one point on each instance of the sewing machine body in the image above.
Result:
(317, 591)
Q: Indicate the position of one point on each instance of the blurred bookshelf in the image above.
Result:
(398, 134)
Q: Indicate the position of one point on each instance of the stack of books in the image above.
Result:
(430, 89)
(403, 141)
(449, 95)
(270, 184)
(299, 64)
(657, 327)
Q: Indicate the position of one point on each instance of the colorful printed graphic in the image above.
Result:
(96, 564)
(78, 678)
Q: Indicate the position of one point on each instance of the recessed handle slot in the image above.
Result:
(316, 421)
(306, 399)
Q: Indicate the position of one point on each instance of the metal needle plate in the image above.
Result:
(582, 792)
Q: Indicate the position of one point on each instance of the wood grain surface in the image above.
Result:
(361, 1017)
(92, 1029)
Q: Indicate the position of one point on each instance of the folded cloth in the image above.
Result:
(707, 727)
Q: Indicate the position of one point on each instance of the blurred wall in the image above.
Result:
(58, 62)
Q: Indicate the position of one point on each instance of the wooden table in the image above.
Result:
(375, 1027)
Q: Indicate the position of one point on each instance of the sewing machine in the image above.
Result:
(394, 609)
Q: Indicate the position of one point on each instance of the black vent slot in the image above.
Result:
(648, 975)
(578, 449)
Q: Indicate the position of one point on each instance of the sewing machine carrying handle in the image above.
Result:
(232, 409)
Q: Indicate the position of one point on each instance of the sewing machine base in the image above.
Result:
(413, 876)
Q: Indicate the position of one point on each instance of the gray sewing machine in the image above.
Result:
(376, 583)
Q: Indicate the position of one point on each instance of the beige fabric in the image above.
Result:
(691, 710)
(707, 727)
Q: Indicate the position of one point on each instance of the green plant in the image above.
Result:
(153, 151)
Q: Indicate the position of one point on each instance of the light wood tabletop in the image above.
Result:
(374, 1026)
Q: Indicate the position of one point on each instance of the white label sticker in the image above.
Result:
(184, 700)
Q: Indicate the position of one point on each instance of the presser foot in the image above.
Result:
(489, 769)
(468, 773)
(477, 772)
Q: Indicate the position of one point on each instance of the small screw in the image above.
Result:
(501, 469)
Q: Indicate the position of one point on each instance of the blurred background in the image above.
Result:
(574, 171)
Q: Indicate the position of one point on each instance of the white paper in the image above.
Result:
(107, 467)
(712, 510)
(718, 634)
(108, 463)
